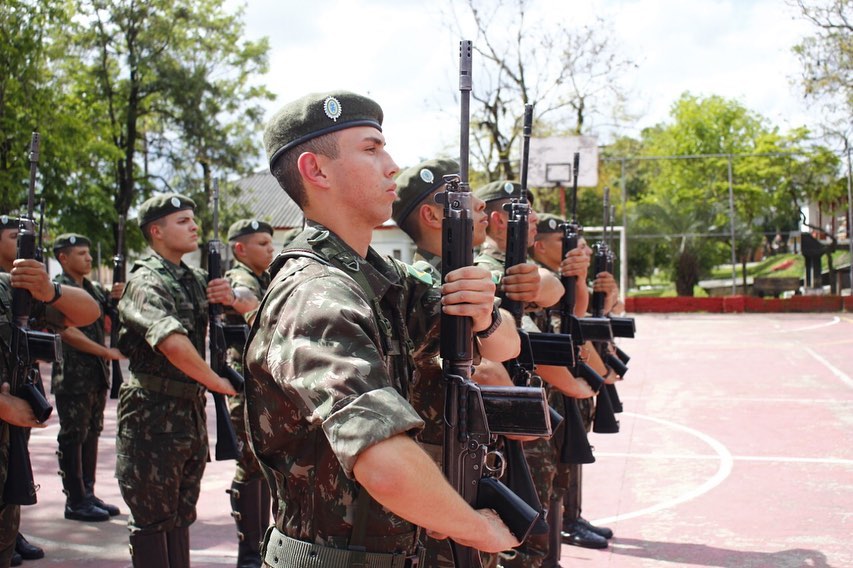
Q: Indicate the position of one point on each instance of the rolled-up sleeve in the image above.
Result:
(369, 419)
(147, 308)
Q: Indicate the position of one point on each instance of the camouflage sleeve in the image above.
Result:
(242, 279)
(323, 353)
(147, 307)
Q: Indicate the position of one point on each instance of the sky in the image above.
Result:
(403, 53)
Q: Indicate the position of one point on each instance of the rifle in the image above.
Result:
(605, 422)
(519, 478)
(28, 346)
(468, 431)
(582, 329)
(226, 439)
(118, 276)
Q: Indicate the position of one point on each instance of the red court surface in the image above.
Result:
(735, 451)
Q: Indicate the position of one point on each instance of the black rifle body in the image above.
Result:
(119, 275)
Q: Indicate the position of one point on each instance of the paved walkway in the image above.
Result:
(736, 451)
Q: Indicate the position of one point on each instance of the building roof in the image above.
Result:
(267, 201)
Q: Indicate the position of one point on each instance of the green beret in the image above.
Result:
(248, 227)
(317, 114)
(162, 205)
(501, 189)
(416, 183)
(549, 223)
(7, 222)
(70, 240)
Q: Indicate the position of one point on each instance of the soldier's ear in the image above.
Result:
(430, 215)
(311, 168)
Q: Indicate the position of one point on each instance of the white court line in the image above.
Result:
(833, 321)
(835, 371)
(723, 472)
(700, 457)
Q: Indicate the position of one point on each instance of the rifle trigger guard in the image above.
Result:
(495, 464)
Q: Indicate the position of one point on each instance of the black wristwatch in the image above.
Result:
(57, 293)
(496, 322)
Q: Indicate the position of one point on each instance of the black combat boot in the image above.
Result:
(27, 550)
(246, 500)
(178, 542)
(149, 550)
(90, 464)
(77, 505)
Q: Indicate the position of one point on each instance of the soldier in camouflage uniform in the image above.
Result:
(419, 216)
(547, 250)
(8, 253)
(542, 455)
(251, 244)
(329, 357)
(68, 306)
(161, 434)
(79, 385)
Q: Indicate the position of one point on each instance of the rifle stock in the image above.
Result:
(226, 438)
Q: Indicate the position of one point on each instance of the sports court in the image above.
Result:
(735, 451)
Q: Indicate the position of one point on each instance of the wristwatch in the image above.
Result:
(57, 293)
(496, 322)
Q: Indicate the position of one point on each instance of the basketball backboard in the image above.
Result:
(551, 161)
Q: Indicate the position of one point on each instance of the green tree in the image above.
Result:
(681, 182)
(173, 93)
(827, 56)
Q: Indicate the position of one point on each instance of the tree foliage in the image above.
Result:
(571, 75)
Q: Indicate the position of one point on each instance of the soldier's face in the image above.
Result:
(257, 251)
(362, 176)
(8, 244)
(178, 232)
(549, 248)
(532, 220)
(77, 261)
(481, 220)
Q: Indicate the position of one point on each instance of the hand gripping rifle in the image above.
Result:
(471, 412)
(28, 346)
(226, 438)
(118, 276)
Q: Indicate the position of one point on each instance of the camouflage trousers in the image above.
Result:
(161, 453)
(248, 468)
(10, 515)
(80, 415)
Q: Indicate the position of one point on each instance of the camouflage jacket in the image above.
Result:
(159, 299)
(242, 276)
(82, 372)
(329, 365)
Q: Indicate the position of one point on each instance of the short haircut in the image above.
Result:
(146, 228)
(286, 170)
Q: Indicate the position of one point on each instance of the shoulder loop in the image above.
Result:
(420, 271)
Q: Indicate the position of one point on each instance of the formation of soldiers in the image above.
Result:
(341, 420)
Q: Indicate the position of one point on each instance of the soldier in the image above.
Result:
(24, 550)
(66, 306)
(541, 289)
(329, 357)
(161, 435)
(251, 244)
(8, 242)
(419, 216)
(79, 385)
(547, 250)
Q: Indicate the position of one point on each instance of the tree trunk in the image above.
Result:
(686, 273)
